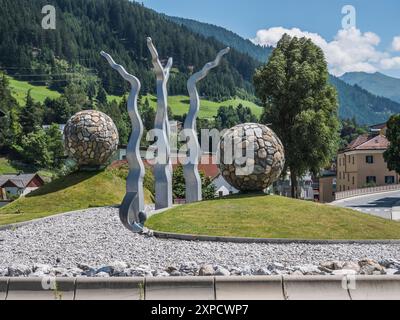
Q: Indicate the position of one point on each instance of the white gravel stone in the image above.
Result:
(82, 243)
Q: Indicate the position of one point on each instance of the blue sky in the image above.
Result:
(322, 17)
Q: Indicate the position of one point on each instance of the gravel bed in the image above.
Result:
(94, 243)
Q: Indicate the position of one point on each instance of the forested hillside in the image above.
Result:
(376, 83)
(362, 105)
(227, 37)
(85, 27)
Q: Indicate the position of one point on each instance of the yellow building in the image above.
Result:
(361, 164)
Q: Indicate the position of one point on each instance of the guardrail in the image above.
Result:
(365, 191)
(346, 287)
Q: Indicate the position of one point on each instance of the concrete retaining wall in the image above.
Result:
(204, 288)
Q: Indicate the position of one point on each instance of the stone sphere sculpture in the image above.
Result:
(251, 157)
(91, 138)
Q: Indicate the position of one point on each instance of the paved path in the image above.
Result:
(375, 204)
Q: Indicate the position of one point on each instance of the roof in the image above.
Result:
(208, 164)
(368, 142)
(378, 126)
(19, 180)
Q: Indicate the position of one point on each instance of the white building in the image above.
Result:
(222, 187)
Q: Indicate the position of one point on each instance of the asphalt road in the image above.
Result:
(376, 204)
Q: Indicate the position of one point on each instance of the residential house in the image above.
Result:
(222, 187)
(361, 164)
(327, 186)
(19, 184)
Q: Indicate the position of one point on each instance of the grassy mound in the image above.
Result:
(273, 217)
(77, 191)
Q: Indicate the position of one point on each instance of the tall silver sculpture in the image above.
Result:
(132, 211)
(163, 166)
(191, 171)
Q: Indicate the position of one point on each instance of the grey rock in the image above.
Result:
(95, 238)
(370, 267)
(207, 270)
(175, 273)
(263, 272)
(19, 270)
(221, 271)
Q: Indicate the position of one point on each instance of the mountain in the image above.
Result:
(120, 27)
(355, 102)
(365, 107)
(85, 27)
(227, 37)
(376, 83)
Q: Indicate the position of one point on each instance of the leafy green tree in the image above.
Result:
(226, 118)
(55, 146)
(76, 98)
(178, 183)
(31, 116)
(179, 186)
(33, 149)
(10, 128)
(43, 148)
(300, 104)
(208, 189)
(148, 115)
(101, 96)
(392, 154)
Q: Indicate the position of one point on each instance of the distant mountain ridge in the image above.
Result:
(376, 83)
(226, 37)
(365, 107)
(356, 101)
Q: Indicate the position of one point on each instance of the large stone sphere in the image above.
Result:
(91, 138)
(251, 157)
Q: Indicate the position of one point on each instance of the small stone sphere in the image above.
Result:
(91, 138)
(251, 157)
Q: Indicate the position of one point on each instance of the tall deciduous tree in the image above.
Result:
(392, 154)
(300, 104)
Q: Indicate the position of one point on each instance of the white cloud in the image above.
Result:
(349, 51)
(396, 44)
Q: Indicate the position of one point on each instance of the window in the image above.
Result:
(389, 180)
(371, 180)
(354, 181)
(354, 161)
(369, 159)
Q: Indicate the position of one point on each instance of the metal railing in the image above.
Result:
(365, 191)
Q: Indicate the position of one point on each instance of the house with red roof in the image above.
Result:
(19, 184)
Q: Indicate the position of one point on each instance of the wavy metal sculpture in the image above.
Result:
(191, 171)
(163, 166)
(132, 211)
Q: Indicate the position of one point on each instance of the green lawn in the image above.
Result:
(208, 109)
(75, 192)
(178, 104)
(39, 93)
(273, 217)
(6, 166)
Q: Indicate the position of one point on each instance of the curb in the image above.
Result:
(204, 288)
(188, 237)
(396, 212)
(333, 203)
